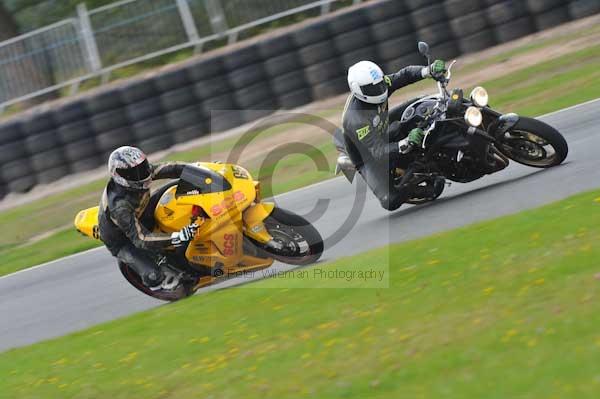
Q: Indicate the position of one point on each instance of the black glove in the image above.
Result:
(184, 235)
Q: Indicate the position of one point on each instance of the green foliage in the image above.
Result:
(34, 14)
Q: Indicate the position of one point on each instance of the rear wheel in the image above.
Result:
(297, 241)
(534, 143)
(183, 290)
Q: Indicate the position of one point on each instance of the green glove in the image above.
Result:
(416, 136)
(437, 69)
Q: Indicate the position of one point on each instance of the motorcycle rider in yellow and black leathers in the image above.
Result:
(123, 207)
(376, 147)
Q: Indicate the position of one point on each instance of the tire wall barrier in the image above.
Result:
(282, 70)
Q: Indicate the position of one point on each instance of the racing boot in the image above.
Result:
(344, 164)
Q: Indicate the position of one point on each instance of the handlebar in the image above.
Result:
(443, 82)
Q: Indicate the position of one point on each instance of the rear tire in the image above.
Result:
(287, 226)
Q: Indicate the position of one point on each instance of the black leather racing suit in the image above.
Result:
(120, 224)
(372, 142)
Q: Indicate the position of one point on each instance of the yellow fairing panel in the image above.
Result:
(221, 247)
(86, 222)
(220, 234)
(171, 215)
(253, 221)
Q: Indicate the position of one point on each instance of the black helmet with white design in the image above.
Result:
(367, 83)
(129, 167)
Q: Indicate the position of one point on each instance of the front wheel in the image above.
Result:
(534, 143)
(296, 241)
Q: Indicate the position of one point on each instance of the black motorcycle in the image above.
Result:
(465, 139)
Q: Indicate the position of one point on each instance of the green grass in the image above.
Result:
(549, 86)
(62, 243)
(535, 90)
(502, 309)
(52, 212)
(529, 47)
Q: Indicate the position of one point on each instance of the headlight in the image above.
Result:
(473, 116)
(479, 96)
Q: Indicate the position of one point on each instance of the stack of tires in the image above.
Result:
(16, 173)
(353, 42)
(319, 59)
(393, 34)
(510, 19)
(214, 93)
(77, 134)
(108, 124)
(283, 66)
(183, 115)
(470, 25)
(583, 8)
(143, 110)
(431, 25)
(548, 13)
(229, 87)
(47, 154)
(248, 80)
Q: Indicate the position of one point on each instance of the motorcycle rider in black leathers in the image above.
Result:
(122, 207)
(378, 149)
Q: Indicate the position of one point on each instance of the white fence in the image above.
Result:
(101, 40)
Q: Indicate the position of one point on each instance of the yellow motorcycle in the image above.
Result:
(238, 233)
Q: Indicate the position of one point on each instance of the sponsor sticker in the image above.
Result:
(228, 244)
(227, 203)
(363, 132)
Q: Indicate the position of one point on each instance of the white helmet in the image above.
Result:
(366, 81)
(129, 167)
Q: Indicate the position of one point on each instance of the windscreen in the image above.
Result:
(195, 180)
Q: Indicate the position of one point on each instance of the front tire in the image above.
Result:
(302, 243)
(534, 143)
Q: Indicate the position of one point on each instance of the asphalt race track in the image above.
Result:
(86, 289)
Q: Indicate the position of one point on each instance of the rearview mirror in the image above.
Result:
(424, 49)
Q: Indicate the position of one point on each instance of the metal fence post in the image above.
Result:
(89, 40)
(188, 21)
(325, 8)
(216, 16)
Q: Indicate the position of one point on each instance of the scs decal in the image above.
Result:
(227, 203)
(228, 244)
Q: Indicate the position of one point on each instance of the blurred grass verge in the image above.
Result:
(512, 300)
(538, 89)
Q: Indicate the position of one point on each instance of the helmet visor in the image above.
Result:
(374, 90)
(137, 173)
